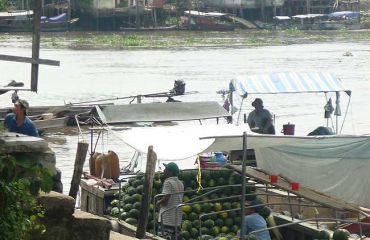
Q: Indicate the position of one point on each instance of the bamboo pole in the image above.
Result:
(79, 163)
(147, 194)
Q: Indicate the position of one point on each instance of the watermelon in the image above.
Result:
(341, 234)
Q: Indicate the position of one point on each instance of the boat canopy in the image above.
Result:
(161, 112)
(288, 82)
(336, 165)
(205, 14)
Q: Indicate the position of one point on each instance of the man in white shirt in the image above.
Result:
(173, 189)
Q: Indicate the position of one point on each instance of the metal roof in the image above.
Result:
(161, 112)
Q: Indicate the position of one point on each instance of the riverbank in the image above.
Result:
(182, 39)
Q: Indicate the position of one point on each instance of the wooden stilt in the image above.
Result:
(79, 163)
(147, 195)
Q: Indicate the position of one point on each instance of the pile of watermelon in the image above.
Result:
(215, 222)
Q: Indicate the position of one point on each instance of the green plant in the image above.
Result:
(3, 5)
(20, 182)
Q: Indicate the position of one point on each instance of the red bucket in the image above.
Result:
(288, 129)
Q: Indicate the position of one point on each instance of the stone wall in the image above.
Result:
(62, 222)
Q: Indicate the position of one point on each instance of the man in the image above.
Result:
(254, 221)
(18, 122)
(260, 119)
(173, 189)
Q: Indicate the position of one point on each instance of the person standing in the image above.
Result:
(173, 189)
(260, 119)
(18, 122)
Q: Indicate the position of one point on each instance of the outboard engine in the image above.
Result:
(179, 87)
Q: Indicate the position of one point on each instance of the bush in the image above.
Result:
(20, 183)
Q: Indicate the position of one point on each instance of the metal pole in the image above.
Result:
(242, 230)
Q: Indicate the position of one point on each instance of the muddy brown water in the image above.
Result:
(98, 74)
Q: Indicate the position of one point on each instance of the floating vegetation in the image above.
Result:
(179, 39)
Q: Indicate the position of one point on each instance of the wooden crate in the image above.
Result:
(95, 199)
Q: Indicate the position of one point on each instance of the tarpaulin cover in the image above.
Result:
(287, 82)
(159, 112)
(176, 142)
(336, 166)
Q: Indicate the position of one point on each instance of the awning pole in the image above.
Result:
(242, 230)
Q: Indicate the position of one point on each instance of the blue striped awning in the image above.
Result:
(288, 82)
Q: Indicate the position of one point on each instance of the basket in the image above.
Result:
(206, 163)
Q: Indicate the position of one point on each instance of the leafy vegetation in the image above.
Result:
(20, 182)
(2, 5)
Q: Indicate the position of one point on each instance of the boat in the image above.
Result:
(150, 29)
(332, 21)
(333, 182)
(46, 122)
(22, 21)
(207, 21)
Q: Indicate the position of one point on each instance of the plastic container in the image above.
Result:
(288, 129)
(220, 158)
(103, 166)
(274, 178)
(92, 163)
(294, 186)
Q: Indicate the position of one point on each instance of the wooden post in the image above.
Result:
(147, 195)
(308, 3)
(79, 163)
(137, 15)
(36, 44)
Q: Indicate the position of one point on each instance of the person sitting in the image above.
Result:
(254, 221)
(18, 122)
(260, 119)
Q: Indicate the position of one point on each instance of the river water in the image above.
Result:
(98, 74)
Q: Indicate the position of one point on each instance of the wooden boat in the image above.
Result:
(22, 21)
(53, 123)
(210, 21)
(68, 111)
(149, 29)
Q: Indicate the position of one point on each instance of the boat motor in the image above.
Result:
(179, 87)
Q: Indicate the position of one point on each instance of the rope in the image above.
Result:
(199, 175)
(345, 115)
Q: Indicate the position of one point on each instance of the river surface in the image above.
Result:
(99, 74)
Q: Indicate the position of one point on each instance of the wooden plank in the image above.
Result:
(147, 193)
(304, 192)
(78, 167)
(36, 44)
(11, 58)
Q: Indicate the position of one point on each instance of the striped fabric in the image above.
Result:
(288, 82)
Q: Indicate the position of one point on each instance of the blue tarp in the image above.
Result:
(288, 82)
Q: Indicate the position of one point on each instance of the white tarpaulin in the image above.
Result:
(336, 166)
(176, 142)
